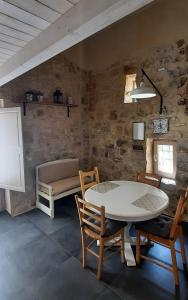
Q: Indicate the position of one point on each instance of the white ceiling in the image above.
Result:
(23, 20)
(33, 31)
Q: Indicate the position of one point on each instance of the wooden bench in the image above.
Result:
(55, 180)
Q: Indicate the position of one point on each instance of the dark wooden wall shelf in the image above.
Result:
(68, 106)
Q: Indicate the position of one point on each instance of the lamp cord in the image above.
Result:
(154, 86)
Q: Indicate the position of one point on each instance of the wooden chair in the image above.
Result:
(95, 227)
(186, 199)
(164, 231)
(186, 195)
(149, 178)
(88, 179)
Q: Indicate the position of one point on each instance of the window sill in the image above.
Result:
(168, 181)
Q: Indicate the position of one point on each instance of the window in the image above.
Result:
(130, 84)
(165, 158)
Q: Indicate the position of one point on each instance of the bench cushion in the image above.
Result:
(62, 185)
(58, 170)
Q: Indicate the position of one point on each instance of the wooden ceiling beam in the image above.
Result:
(19, 14)
(12, 40)
(80, 22)
(11, 32)
(36, 8)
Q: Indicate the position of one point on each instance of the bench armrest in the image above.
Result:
(39, 183)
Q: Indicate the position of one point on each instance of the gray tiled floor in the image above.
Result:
(40, 260)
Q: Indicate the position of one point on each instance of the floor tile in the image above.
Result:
(22, 235)
(8, 223)
(37, 264)
(109, 295)
(159, 276)
(134, 283)
(45, 223)
(19, 295)
(111, 267)
(69, 237)
(68, 281)
(36, 259)
(11, 280)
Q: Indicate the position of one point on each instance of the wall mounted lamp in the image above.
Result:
(143, 92)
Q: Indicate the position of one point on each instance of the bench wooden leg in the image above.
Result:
(51, 208)
(47, 210)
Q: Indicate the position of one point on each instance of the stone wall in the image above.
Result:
(47, 132)
(110, 120)
(158, 24)
(99, 131)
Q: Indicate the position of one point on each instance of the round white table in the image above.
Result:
(128, 201)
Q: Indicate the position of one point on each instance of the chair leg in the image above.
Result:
(148, 243)
(122, 245)
(100, 261)
(138, 247)
(174, 263)
(84, 250)
(181, 238)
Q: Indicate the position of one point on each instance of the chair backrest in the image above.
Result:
(186, 199)
(88, 179)
(91, 216)
(180, 210)
(186, 194)
(149, 178)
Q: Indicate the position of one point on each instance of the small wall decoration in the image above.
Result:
(138, 131)
(138, 147)
(161, 125)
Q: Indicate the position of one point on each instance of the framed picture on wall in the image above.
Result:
(161, 125)
(138, 131)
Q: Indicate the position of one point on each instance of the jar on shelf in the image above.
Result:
(69, 100)
(29, 96)
(40, 96)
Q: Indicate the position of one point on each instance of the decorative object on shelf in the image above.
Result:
(33, 96)
(144, 92)
(161, 125)
(29, 96)
(68, 107)
(69, 100)
(39, 96)
(138, 131)
(58, 97)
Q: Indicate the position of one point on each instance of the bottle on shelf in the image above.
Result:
(58, 97)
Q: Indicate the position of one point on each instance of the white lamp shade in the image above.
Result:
(142, 92)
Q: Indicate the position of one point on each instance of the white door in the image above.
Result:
(11, 150)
